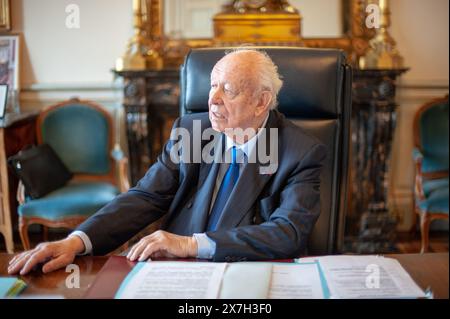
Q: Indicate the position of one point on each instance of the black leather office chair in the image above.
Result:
(316, 96)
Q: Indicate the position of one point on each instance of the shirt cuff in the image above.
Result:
(86, 241)
(206, 246)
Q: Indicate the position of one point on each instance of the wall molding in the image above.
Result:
(423, 84)
(36, 96)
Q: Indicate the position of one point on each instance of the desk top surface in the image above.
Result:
(428, 270)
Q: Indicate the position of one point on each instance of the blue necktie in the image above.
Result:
(228, 182)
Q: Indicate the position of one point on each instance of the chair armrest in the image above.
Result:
(21, 193)
(122, 166)
(122, 169)
(418, 187)
(417, 155)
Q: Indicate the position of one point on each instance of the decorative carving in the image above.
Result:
(134, 91)
(257, 22)
(382, 52)
(354, 42)
(143, 50)
(255, 6)
(5, 15)
(156, 25)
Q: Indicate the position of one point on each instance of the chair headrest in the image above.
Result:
(312, 80)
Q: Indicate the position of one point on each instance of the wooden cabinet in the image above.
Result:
(16, 131)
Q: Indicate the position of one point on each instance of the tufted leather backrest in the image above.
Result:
(316, 95)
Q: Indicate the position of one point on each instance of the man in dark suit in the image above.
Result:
(220, 195)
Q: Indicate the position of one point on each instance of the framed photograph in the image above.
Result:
(5, 15)
(9, 61)
(3, 99)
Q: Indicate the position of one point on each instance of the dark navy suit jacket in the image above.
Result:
(268, 216)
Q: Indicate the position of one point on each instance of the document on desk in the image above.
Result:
(353, 277)
(291, 281)
(242, 280)
(262, 280)
(172, 280)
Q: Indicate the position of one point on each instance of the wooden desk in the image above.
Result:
(54, 283)
(16, 131)
(428, 270)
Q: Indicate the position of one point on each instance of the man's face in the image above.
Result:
(232, 102)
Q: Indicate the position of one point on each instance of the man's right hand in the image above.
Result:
(54, 255)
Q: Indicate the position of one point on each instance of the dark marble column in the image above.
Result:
(151, 105)
(369, 226)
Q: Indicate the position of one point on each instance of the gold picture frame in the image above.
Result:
(5, 15)
(355, 41)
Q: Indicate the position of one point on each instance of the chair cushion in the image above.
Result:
(432, 163)
(434, 184)
(74, 199)
(436, 193)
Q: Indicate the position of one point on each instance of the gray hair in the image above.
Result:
(268, 75)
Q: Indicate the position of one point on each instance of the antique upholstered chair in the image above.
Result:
(431, 159)
(81, 134)
(316, 96)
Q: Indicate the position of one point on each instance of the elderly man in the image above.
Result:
(220, 210)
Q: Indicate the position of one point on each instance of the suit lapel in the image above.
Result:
(251, 181)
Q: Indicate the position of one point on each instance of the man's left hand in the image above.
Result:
(163, 244)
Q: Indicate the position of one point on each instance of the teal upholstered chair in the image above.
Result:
(431, 159)
(81, 133)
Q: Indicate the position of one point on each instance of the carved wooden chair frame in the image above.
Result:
(118, 175)
(425, 217)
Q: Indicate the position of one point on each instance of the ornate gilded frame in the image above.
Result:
(5, 15)
(355, 42)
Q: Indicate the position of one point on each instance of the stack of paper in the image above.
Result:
(289, 281)
(352, 277)
(172, 280)
(307, 278)
(247, 280)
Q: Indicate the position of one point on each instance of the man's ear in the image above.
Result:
(264, 101)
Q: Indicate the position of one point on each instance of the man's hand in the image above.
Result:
(55, 255)
(163, 244)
